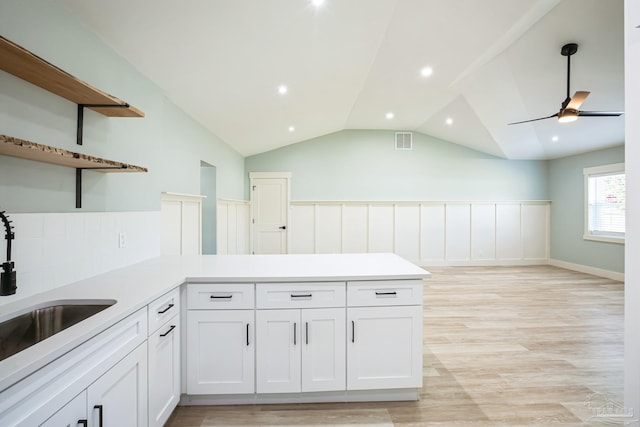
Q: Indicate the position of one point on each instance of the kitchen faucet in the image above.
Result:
(8, 276)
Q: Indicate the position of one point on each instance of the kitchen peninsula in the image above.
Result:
(222, 329)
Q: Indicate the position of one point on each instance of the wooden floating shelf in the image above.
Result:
(18, 61)
(10, 146)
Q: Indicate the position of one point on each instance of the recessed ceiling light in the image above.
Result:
(317, 3)
(282, 89)
(426, 71)
(389, 115)
(291, 128)
(449, 121)
(555, 138)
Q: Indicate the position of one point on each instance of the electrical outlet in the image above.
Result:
(122, 240)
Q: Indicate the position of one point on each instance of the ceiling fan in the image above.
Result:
(569, 111)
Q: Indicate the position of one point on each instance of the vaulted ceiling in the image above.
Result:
(347, 63)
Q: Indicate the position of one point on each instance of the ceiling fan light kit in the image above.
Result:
(567, 116)
(570, 108)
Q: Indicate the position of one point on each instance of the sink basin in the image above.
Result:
(23, 329)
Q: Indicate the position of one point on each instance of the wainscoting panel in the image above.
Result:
(302, 229)
(458, 232)
(432, 233)
(329, 229)
(483, 231)
(427, 233)
(233, 227)
(407, 241)
(508, 232)
(355, 228)
(381, 228)
(535, 231)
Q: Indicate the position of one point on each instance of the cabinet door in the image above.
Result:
(164, 372)
(119, 397)
(384, 348)
(71, 414)
(220, 352)
(323, 349)
(278, 351)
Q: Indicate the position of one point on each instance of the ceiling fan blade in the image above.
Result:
(577, 100)
(600, 113)
(534, 120)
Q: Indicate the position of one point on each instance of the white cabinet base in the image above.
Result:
(390, 395)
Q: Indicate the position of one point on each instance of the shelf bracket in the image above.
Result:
(81, 116)
(79, 182)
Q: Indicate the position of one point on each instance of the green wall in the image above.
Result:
(364, 165)
(566, 185)
(167, 141)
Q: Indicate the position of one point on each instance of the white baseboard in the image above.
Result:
(614, 275)
(478, 262)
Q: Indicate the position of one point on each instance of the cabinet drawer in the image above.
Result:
(300, 295)
(219, 296)
(384, 293)
(163, 309)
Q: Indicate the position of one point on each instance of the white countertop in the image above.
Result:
(136, 286)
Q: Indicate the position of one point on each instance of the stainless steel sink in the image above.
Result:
(23, 329)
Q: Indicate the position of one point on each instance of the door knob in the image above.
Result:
(284, 227)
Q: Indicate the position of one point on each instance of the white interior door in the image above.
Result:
(269, 209)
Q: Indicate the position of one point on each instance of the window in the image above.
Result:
(605, 203)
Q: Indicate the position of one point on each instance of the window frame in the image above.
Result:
(611, 169)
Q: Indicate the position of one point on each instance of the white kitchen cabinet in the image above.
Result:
(384, 348)
(300, 350)
(164, 371)
(119, 397)
(220, 351)
(323, 349)
(72, 414)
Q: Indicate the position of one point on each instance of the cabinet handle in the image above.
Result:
(82, 423)
(169, 331)
(99, 408)
(169, 307)
(301, 295)
(221, 296)
(353, 331)
(294, 333)
(306, 330)
(247, 334)
(387, 293)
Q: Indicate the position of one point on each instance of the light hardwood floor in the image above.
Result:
(503, 346)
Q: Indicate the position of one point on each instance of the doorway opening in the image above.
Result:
(209, 208)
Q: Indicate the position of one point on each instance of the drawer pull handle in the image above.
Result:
(353, 331)
(221, 296)
(169, 331)
(301, 295)
(82, 423)
(394, 293)
(99, 408)
(169, 307)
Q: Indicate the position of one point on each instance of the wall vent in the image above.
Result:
(404, 141)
